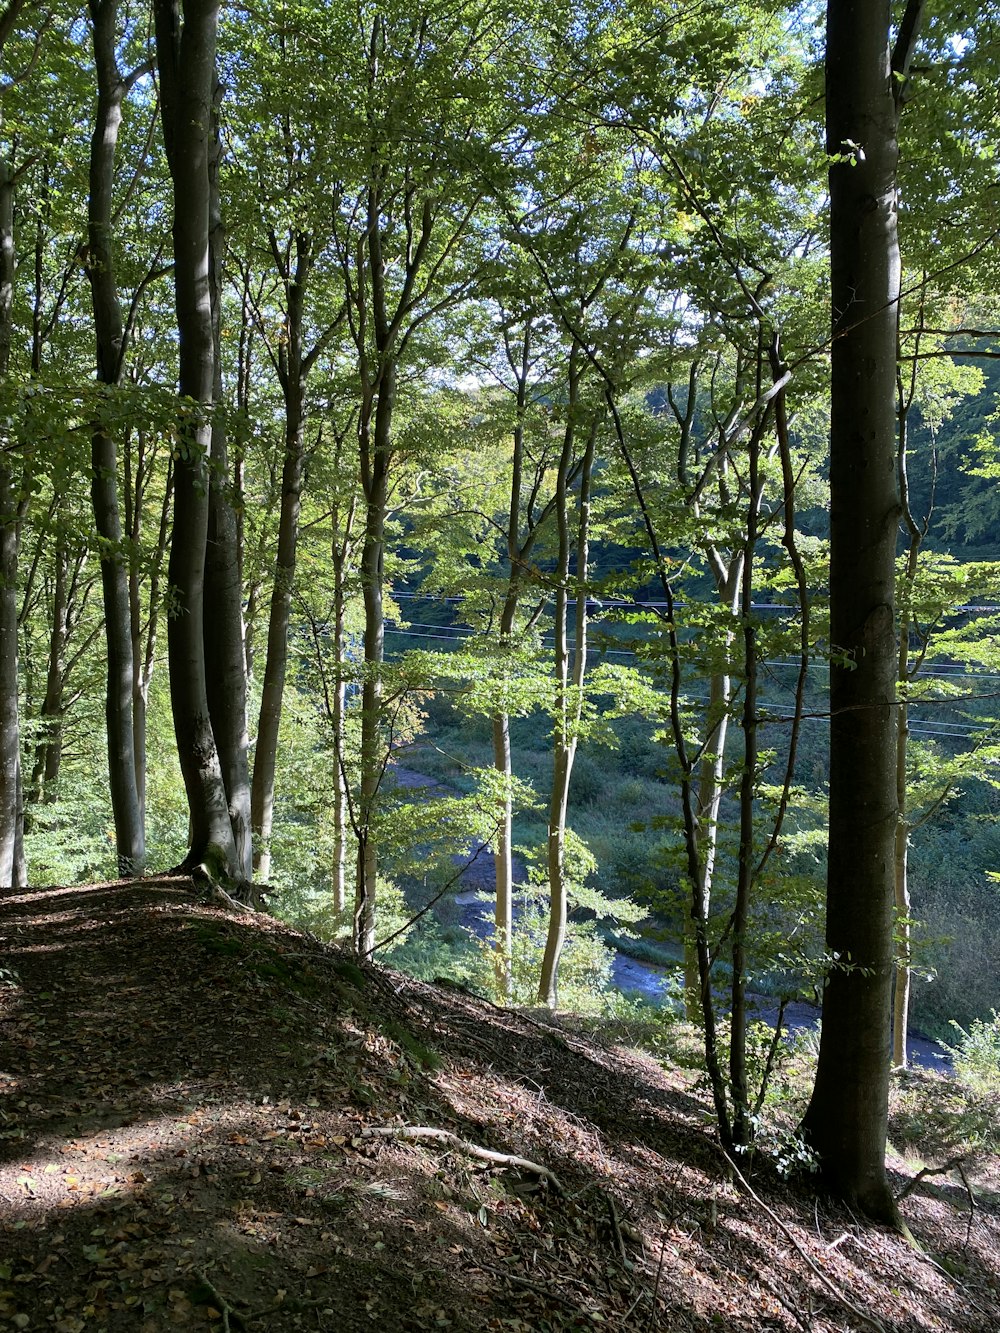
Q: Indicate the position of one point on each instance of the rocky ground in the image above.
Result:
(207, 1120)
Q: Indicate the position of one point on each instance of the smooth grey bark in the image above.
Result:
(570, 670)
(224, 631)
(185, 47)
(138, 463)
(524, 525)
(49, 719)
(126, 804)
(846, 1120)
(341, 547)
(11, 513)
(375, 451)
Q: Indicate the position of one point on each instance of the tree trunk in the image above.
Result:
(901, 991)
(127, 808)
(48, 745)
(375, 479)
(569, 692)
(339, 549)
(186, 57)
(292, 473)
(11, 803)
(846, 1120)
(225, 658)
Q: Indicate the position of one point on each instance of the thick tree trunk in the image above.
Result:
(127, 807)
(186, 57)
(846, 1121)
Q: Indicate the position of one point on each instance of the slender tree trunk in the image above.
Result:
(186, 58)
(127, 807)
(340, 547)
(901, 992)
(846, 1121)
(11, 802)
(742, 1127)
(48, 745)
(292, 473)
(569, 697)
(375, 479)
(225, 658)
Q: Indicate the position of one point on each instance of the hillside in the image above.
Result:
(201, 1123)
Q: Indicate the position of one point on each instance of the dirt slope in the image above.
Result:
(184, 1100)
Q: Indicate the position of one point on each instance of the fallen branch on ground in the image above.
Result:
(868, 1319)
(463, 1145)
(926, 1171)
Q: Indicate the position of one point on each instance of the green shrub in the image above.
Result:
(976, 1055)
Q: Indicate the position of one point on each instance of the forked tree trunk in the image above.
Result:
(186, 58)
(126, 805)
(847, 1117)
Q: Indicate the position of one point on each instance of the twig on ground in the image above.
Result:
(972, 1205)
(463, 1145)
(868, 1319)
(926, 1171)
(206, 1293)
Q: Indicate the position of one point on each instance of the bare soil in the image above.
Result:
(184, 1100)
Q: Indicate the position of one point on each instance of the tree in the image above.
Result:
(847, 1118)
(109, 330)
(185, 45)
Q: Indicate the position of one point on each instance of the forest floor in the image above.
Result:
(202, 1123)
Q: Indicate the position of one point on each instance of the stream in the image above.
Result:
(630, 975)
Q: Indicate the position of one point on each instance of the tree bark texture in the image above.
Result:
(186, 57)
(846, 1121)
(126, 805)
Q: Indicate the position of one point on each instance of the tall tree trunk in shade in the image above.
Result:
(847, 1117)
(11, 802)
(225, 658)
(126, 805)
(375, 455)
(340, 552)
(186, 59)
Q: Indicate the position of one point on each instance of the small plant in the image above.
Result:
(976, 1056)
